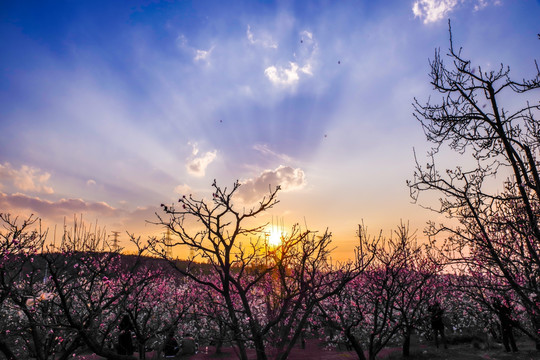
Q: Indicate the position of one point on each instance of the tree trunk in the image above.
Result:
(355, 345)
(219, 345)
(407, 342)
(284, 354)
(219, 341)
(259, 348)
(142, 351)
(236, 327)
(242, 349)
(371, 347)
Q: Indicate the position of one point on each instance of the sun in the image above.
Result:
(274, 237)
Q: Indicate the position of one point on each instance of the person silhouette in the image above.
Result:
(171, 347)
(504, 311)
(437, 323)
(125, 344)
(188, 345)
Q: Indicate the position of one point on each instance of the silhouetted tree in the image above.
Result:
(268, 293)
(491, 121)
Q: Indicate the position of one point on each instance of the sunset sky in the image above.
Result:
(110, 108)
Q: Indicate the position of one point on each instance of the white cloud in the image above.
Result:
(303, 63)
(306, 35)
(26, 178)
(307, 69)
(434, 10)
(194, 148)
(480, 5)
(287, 76)
(203, 55)
(199, 55)
(282, 76)
(484, 3)
(249, 35)
(91, 182)
(196, 166)
(285, 176)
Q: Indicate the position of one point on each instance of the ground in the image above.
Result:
(313, 350)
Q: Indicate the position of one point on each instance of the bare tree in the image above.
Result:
(218, 240)
(493, 228)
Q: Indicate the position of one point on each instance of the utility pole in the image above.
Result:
(360, 250)
(168, 244)
(115, 245)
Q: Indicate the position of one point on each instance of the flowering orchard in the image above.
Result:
(59, 302)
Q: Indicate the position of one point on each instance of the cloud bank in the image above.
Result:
(62, 207)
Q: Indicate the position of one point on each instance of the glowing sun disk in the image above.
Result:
(274, 239)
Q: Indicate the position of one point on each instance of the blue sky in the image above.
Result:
(108, 109)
